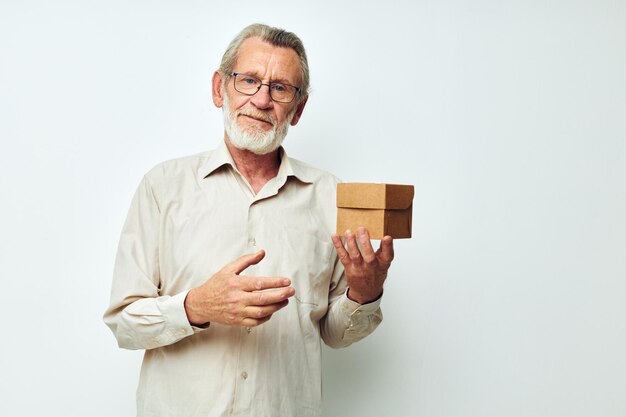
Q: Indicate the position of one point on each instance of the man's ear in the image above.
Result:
(299, 110)
(218, 93)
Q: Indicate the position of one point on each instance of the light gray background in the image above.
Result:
(508, 116)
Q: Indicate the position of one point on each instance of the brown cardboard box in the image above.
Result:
(384, 209)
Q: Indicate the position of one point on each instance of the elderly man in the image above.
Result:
(220, 342)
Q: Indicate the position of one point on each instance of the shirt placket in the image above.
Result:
(247, 335)
(245, 377)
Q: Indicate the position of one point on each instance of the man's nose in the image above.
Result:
(262, 98)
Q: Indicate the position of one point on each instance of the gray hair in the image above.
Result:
(274, 36)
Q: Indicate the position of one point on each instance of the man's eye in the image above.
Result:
(249, 80)
(279, 87)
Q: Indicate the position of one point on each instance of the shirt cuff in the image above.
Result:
(173, 309)
(351, 307)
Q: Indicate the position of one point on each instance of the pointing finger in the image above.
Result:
(263, 283)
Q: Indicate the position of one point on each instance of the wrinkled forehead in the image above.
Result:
(268, 62)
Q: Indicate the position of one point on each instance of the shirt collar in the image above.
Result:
(216, 159)
(288, 166)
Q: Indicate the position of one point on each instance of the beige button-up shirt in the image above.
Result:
(188, 219)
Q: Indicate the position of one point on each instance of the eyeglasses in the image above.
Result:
(250, 85)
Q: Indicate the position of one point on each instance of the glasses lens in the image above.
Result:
(282, 93)
(247, 84)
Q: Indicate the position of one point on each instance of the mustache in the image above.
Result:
(257, 115)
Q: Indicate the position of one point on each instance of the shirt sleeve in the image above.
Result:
(139, 316)
(347, 321)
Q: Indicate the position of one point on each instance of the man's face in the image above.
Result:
(254, 138)
(258, 117)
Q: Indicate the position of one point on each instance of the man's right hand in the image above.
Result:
(237, 300)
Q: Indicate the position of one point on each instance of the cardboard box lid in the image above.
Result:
(374, 195)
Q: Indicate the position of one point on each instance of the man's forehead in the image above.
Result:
(261, 58)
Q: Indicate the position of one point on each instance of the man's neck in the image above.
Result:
(256, 169)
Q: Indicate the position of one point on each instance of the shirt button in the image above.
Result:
(248, 330)
(252, 242)
(244, 375)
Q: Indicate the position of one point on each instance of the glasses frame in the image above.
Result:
(269, 86)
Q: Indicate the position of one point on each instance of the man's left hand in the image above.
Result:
(366, 270)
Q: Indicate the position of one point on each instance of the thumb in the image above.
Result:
(241, 263)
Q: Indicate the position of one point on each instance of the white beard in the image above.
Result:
(253, 139)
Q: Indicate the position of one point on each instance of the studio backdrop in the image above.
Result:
(508, 117)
